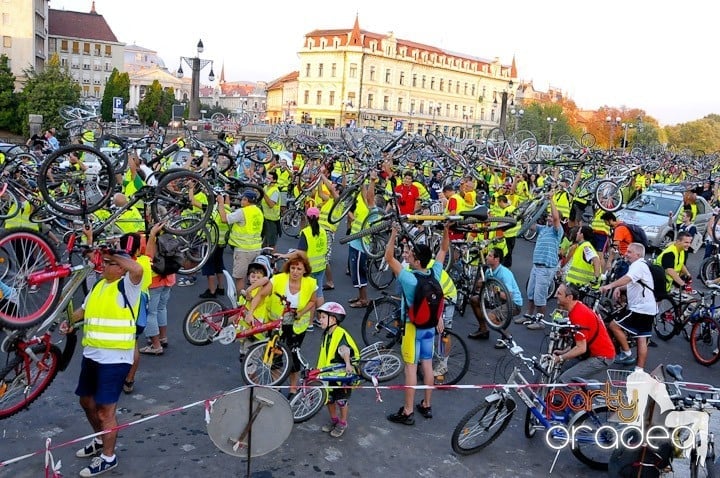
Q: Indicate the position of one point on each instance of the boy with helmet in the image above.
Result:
(336, 346)
(258, 272)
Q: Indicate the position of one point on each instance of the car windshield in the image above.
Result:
(655, 204)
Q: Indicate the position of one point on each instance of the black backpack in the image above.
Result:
(658, 275)
(169, 256)
(637, 233)
(429, 302)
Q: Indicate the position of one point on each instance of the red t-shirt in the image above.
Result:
(601, 345)
(452, 206)
(408, 196)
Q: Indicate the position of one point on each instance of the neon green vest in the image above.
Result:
(325, 214)
(275, 307)
(580, 272)
(317, 249)
(679, 261)
(22, 218)
(271, 213)
(329, 351)
(446, 282)
(107, 325)
(249, 236)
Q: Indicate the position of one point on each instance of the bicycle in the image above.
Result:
(588, 430)
(674, 314)
(704, 335)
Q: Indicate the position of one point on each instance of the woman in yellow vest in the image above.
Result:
(314, 245)
(291, 295)
(327, 196)
(270, 205)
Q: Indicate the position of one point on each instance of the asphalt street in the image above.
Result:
(177, 444)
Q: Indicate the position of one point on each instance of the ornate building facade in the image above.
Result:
(24, 33)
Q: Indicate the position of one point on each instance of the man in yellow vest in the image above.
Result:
(270, 205)
(327, 196)
(672, 259)
(357, 256)
(585, 266)
(109, 346)
(246, 226)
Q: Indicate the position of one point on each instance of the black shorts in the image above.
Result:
(338, 393)
(636, 324)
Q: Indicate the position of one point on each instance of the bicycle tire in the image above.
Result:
(489, 417)
(664, 322)
(532, 424)
(76, 192)
(308, 401)
(376, 229)
(197, 248)
(257, 151)
(256, 372)
(704, 341)
(342, 205)
(384, 366)
(608, 196)
(531, 214)
(171, 203)
(714, 229)
(224, 162)
(14, 380)
(9, 206)
(196, 330)
(291, 223)
(458, 359)
(710, 268)
(375, 244)
(491, 299)
(586, 424)
(379, 274)
(28, 252)
(382, 322)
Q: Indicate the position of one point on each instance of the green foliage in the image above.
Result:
(156, 105)
(701, 135)
(535, 119)
(9, 100)
(117, 85)
(211, 110)
(45, 92)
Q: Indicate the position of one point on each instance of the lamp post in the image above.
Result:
(517, 114)
(613, 122)
(196, 64)
(503, 105)
(551, 122)
(625, 127)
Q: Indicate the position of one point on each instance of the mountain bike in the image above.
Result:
(705, 332)
(673, 317)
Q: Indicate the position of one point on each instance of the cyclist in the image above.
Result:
(336, 346)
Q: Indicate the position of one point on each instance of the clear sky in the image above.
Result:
(655, 55)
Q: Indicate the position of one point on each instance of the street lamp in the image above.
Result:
(613, 122)
(625, 127)
(551, 122)
(517, 114)
(196, 64)
(503, 105)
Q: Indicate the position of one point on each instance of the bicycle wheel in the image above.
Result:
(257, 151)
(383, 366)
(532, 424)
(224, 162)
(590, 444)
(199, 328)
(257, 371)
(382, 322)
(20, 385)
(710, 269)
(608, 196)
(496, 304)
(198, 247)
(69, 188)
(531, 214)
(172, 202)
(343, 204)
(587, 140)
(9, 205)
(374, 244)
(380, 276)
(308, 401)
(482, 425)
(664, 322)
(27, 253)
(291, 223)
(704, 341)
(450, 359)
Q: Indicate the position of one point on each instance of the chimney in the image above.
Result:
(92, 9)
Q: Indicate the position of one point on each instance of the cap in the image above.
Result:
(250, 196)
(313, 212)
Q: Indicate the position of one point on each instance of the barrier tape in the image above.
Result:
(52, 468)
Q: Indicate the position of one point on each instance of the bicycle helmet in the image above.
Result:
(334, 309)
(261, 262)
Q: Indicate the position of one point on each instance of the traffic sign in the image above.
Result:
(117, 107)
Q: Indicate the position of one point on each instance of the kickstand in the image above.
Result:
(552, 466)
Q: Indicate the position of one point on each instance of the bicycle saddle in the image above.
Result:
(675, 371)
(480, 213)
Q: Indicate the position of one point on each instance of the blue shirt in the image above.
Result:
(547, 246)
(408, 282)
(505, 275)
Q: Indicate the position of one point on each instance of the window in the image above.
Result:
(97, 50)
(465, 89)
(63, 45)
(6, 19)
(86, 66)
(63, 62)
(457, 88)
(352, 73)
(306, 96)
(442, 85)
(449, 86)
(370, 101)
(96, 90)
(412, 106)
(473, 90)
(320, 70)
(307, 69)
(423, 82)
(387, 75)
(318, 97)
(7, 41)
(108, 50)
(372, 73)
(422, 107)
(333, 70)
(400, 104)
(402, 78)
(432, 83)
(492, 115)
(86, 48)
(414, 82)
(76, 47)
(332, 98)
(386, 103)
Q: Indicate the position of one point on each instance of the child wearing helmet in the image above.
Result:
(336, 346)
(258, 273)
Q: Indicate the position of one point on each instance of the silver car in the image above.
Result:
(650, 211)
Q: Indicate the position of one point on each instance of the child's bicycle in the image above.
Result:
(375, 365)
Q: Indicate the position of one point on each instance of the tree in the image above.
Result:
(45, 92)
(156, 105)
(9, 118)
(118, 85)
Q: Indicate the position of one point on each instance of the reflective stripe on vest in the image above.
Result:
(361, 212)
(325, 214)
(275, 307)
(317, 248)
(271, 213)
(562, 203)
(580, 272)
(248, 237)
(107, 325)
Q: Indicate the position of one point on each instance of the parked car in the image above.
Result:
(650, 211)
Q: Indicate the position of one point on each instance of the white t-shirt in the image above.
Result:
(641, 299)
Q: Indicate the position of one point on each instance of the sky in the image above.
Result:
(654, 55)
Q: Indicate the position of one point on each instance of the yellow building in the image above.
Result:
(359, 78)
(24, 32)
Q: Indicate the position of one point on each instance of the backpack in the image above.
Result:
(637, 233)
(429, 302)
(169, 256)
(658, 275)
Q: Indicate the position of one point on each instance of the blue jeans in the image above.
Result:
(157, 310)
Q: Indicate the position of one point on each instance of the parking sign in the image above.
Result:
(117, 107)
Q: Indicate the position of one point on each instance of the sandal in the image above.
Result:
(360, 304)
(163, 342)
(149, 350)
(128, 386)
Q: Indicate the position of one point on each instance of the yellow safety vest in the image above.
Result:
(446, 282)
(146, 264)
(329, 346)
(562, 203)
(131, 221)
(679, 261)
(580, 272)
(271, 213)
(512, 232)
(598, 224)
(107, 325)
(22, 218)
(317, 248)
(223, 227)
(325, 214)
(424, 194)
(275, 307)
(283, 180)
(461, 204)
(248, 237)
(361, 212)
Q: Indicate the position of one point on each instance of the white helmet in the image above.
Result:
(263, 262)
(334, 309)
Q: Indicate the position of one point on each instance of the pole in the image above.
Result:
(195, 90)
(503, 110)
